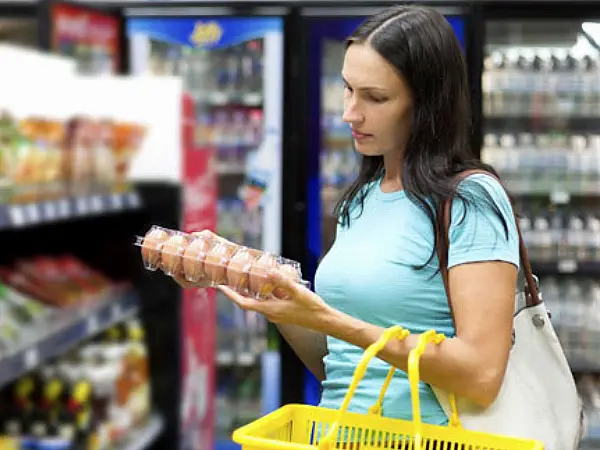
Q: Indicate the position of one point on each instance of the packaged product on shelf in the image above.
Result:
(104, 169)
(43, 158)
(78, 149)
(19, 402)
(90, 398)
(214, 261)
(10, 331)
(136, 367)
(57, 282)
(10, 140)
(88, 279)
(102, 375)
(20, 317)
(128, 139)
(45, 272)
(25, 164)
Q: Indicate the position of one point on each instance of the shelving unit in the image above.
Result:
(77, 319)
(541, 104)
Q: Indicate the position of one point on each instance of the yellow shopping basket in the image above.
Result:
(301, 427)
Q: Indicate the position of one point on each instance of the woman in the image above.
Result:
(406, 101)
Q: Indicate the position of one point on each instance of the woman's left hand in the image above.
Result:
(300, 306)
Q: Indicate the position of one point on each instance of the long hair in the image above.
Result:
(422, 46)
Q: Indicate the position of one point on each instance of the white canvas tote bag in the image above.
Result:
(538, 398)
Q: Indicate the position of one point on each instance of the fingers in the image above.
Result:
(245, 303)
(284, 282)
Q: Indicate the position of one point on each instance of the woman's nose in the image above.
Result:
(351, 113)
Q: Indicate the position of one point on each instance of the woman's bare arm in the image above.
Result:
(310, 346)
(472, 364)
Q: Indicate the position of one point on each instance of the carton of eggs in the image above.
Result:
(209, 260)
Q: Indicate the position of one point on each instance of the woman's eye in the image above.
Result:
(378, 99)
(347, 88)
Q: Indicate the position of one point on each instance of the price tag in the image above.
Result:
(134, 200)
(252, 99)
(245, 359)
(219, 98)
(33, 213)
(31, 358)
(567, 266)
(50, 210)
(82, 205)
(117, 201)
(560, 197)
(17, 216)
(225, 358)
(116, 312)
(63, 208)
(92, 324)
(96, 203)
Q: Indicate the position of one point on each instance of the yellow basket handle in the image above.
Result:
(394, 332)
(413, 377)
(414, 359)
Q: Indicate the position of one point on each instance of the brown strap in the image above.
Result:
(532, 297)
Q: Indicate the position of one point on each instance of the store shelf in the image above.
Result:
(14, 216)
(63, 331)
(583, 365)
(573, 124)
(144, 437)
(566, 266)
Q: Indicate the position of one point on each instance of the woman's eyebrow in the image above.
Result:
(364, 88)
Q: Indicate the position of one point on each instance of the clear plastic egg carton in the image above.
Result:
(209, 260)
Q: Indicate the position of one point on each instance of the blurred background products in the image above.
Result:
(90, 398)
(115, 117)
(43, 159)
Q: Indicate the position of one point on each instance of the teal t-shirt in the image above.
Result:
(368, 273)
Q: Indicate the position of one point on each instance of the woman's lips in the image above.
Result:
(360, 136)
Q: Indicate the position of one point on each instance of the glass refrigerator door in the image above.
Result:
(542, 133)
(226, 64)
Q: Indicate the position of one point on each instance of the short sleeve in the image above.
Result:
(477, 231)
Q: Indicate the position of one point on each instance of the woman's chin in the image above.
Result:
(366, 148)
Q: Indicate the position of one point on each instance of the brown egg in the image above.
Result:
(238, 270)
(290, 271)
(172, 254)
(151, 247)
(259, 285)
(217, 259)
(193, 259)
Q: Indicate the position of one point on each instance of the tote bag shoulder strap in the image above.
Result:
(532, 298)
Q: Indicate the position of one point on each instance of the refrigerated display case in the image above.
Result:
(232, 68)
(333, 162)
(541, 111)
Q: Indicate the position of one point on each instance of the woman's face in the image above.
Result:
(377, 102)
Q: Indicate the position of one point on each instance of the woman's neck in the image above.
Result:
(392, 177)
